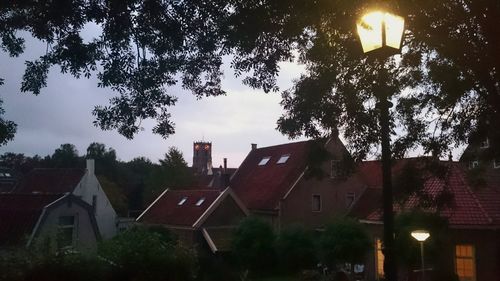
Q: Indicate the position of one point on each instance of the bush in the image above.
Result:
(344, 241)
(296, 249)
(143, 254)
(253, 245)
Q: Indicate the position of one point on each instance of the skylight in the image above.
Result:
(283, 159)
(264, 160)
(183, 200)
(200, 201)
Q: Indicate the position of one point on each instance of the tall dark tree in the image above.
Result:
(105, 159)
(66, 156)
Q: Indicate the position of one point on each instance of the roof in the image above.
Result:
(214, 180)
(50, 180)
(260, 187)
(19, 214)
(470, 207)
(166, 209)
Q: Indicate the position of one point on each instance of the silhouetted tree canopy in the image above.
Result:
(445, 84)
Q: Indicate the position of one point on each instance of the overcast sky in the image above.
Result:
(62, 114)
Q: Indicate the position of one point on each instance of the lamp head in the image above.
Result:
(380, 31)
(420, 235)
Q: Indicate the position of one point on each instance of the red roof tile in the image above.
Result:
(470, 207)
(19, 214)
(261, 187)
(50, 181)
(166, 210)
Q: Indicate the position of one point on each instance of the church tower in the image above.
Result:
(202, 157)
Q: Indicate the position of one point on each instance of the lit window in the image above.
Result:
(379, 259)
(316, 203)
(485, 143)
(264, 160)
(349, 198)
(283, 159)
(465, 264)
(496, 163)
(183, 200)
(200, 201)
(65, 231)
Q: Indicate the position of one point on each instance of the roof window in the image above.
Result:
(283, 159)
(264, 160)
(183, 200)
(200, 201)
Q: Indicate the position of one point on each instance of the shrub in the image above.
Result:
(295, 248)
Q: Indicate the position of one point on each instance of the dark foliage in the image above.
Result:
(296, 249)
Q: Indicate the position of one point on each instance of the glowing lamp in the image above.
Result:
(420, 235)
(381, 31)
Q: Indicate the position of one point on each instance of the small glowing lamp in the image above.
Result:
(379, 30)
(420, 235)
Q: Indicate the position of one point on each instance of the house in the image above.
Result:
(197, 217)
(307, 182)
(473, 214)
(81, 183)
(47, 220)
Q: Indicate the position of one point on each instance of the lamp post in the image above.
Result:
(421, 236)
(381, 34)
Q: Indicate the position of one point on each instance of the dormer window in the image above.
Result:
(496, 163)
(485, 143)
(264, 160)
(200, 201)
(183, 200)
(283, 159)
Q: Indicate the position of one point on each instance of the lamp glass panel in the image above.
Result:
(394, 28)
(370, 31)
(420, 236)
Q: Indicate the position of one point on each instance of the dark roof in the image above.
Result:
(214, 180)
(469, 207)
(261, 187)
(166, 209)
(50, 181)
(19, 214)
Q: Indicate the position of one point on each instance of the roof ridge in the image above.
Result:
(284, 144)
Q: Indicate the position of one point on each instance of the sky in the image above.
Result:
(62, 113)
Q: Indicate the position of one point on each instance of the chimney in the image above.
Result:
(450, 157)
(90, 166)
(254, 146)
(225, 165)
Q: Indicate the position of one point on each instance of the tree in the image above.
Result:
(296, 248)
(344, 241)
(253, 245)
(66, 156)
(7, 128)
(148, 254)
(105, 159)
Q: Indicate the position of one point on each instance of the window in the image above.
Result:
(264, 160)
(94, 203)
(473, 164)
(283, 159)
(200, 201)
(349, 199)
(496, 163)
(7, 174)
(379, 259)
(316, 203)
(465, 264)
(183, 200)
(335, 169)
(485, 143)
(65, 231)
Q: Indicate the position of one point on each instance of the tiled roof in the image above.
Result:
(19, 213)
(469, 206)
(166, 209)
(261, 187)
(50, 181)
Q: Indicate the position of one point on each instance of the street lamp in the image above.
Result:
(421, 236)
(381, 34)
